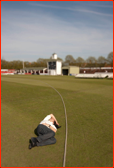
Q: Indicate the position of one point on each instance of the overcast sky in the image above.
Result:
(37, 29)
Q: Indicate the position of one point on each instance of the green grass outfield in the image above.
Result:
(26, 100)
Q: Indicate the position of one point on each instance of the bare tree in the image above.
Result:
(58, 58)
(110, 58)
(79, 60)
(69, 58)
(3, 64)
(101, 60)
(39, 60)
(91, 60)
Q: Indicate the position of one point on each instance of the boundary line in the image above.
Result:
(64, 160)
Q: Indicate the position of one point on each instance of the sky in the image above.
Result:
(36, 29)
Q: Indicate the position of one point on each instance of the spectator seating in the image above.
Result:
(95, 75)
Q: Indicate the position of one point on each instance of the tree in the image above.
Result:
(79, 60)
(39, 60)
(101, 60)
(91, 60)
(110, 58)
(3, 63)
(69, 58)
(33, 64)
(58, 58)
(42, 62)
(27, 64)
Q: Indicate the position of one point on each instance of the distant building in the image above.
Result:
(33, 70)
(54, 66)
(7, 71)
(95, 72)
(92, 70)
(54, 56)
(70, 70)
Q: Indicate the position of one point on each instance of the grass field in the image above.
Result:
(26, 100)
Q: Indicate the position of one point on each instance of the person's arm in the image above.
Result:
(54, 118)
(53, 129)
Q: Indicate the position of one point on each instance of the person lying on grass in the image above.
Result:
(46, 131)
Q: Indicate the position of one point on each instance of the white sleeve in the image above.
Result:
(47, 117)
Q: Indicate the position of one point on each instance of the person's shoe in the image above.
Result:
(33, 142)
(30, 146)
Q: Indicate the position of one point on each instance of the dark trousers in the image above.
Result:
(45, 135)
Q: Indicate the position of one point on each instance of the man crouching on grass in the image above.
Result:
(46, 131)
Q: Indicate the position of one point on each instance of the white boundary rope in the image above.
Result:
(64, 160)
